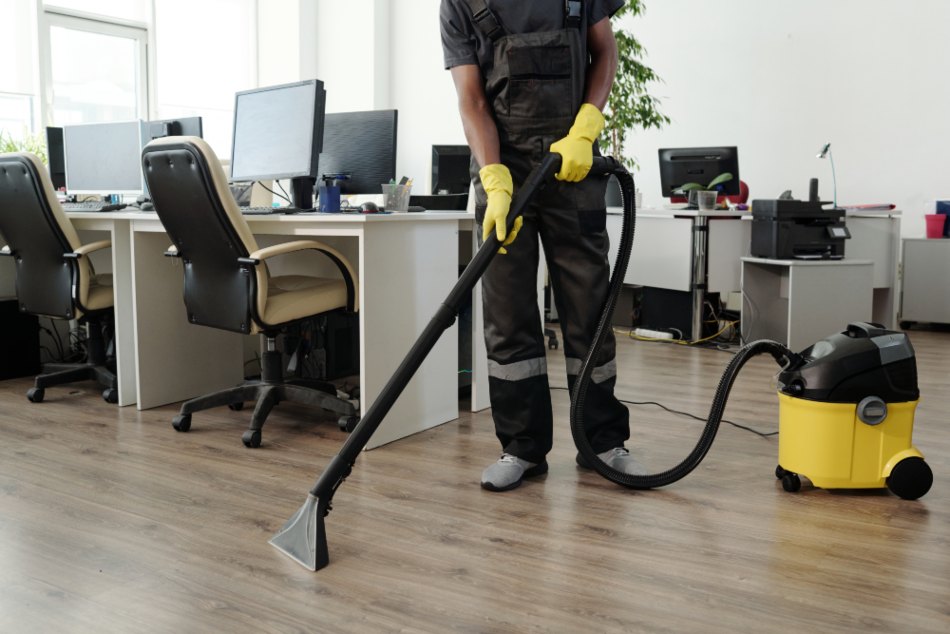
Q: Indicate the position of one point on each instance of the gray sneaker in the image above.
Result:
(509, 471)
(617, 458)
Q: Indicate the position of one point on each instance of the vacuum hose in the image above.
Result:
(779, 352)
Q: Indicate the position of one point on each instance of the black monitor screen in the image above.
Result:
(57, 156)
(679, 166)
(183, 126)
(450, 169)
(278, 131)
(104, 158)
(361, 145)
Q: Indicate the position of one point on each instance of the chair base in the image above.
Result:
(64, 373)
(266, 395)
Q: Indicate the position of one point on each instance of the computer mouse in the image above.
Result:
(147, 207)
(369, 207)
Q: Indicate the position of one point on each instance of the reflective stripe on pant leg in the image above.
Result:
(518, 370)
(600, 374)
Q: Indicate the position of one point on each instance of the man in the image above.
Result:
(533, 77)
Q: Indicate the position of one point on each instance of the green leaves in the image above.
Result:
(722, 178)
(630, 106)
(28, 143)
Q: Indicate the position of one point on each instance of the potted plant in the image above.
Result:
(27, 143)
(695, 191)
(629, 106)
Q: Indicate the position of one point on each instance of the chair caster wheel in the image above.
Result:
(236, 407)
(35, 394)
(110, 395)
(348, 423)
(552, 344)
(251, 438)
(780, 472)
(182, 422)
(791, 482)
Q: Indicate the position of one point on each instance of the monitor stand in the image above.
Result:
(301, 192)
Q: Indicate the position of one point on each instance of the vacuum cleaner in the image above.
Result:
(827, 395)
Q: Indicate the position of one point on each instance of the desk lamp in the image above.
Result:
(826, 151)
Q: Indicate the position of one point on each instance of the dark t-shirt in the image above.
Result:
(463, 42)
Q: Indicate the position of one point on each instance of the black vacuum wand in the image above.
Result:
(303, 537)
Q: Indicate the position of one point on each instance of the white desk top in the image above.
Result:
(668, 212)
(358, 218)
(810, 262)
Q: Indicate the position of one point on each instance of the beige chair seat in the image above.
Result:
(100, 294)
(292, 297)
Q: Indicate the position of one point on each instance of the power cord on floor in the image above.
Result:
(687, 414)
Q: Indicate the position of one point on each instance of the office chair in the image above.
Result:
(54, 275)
(227, 283)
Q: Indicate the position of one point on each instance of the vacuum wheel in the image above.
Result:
(182, 422)
(791, 482)
(779, 472)
(910, 479)
(35, 394)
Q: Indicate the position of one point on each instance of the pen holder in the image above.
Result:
(396, 197)
(329, 197)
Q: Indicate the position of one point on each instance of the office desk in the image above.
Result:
(406, 263)
(680, 250)
(799, 302)
(685, 250)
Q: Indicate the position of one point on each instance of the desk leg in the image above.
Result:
(699, 286)
(406, 271)
(175, 360)
(124, 327)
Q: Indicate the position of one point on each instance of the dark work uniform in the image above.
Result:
(533, 64)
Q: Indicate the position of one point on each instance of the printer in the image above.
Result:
(785, 228)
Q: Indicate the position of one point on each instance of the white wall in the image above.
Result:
(778, 79)
(422, 91)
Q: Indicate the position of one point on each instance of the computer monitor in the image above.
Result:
(278, 133)
(450, 169)
(679, 166)
(182, 126)
(361, 145)
(56, 156)
(104, 158)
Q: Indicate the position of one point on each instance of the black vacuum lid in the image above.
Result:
(864, 360)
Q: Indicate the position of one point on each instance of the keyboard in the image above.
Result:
(93, 206)
(262, 211)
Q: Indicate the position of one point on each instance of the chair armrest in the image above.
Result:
(283, 248)
(6, 251)
(88, 248)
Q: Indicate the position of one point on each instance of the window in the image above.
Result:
(17, 87)
(133, 10)
(200, 68)
(95, 70)
(16, 115)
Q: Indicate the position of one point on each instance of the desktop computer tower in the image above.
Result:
(672, 311)
(19, 342)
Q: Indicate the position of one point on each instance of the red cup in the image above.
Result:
(935, 224)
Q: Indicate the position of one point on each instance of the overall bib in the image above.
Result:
(536, 87)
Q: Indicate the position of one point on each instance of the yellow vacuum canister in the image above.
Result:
(846, 415)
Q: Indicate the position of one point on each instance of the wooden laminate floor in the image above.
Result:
(110, 521)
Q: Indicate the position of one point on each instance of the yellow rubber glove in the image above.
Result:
(577, 148)
(496, 179)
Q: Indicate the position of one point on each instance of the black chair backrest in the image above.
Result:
(218, 290)
(44, 278)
